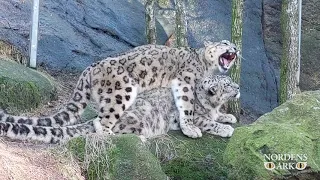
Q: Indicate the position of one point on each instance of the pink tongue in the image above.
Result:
(225, 61)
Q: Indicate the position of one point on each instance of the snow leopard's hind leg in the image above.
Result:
(114, 99)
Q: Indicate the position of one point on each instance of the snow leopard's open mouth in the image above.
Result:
(226, 58)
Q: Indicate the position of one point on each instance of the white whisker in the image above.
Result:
(242, 57)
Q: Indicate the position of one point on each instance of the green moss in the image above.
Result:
(132, 160)
(18, 94)
(22, 88)
(292, 128)
(77, 148)
(194, 158)
(123, 157)
(89, 113)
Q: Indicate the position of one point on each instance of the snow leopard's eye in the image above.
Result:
(225, 42)
(211, 91)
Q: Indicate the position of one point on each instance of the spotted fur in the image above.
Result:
(115, 82)
(53, 135)
(153, 113)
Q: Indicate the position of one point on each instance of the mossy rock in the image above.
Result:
(125, 158)
(22, 88)
(191, 159)
(181, 157)
(292, 128)
(89, 113)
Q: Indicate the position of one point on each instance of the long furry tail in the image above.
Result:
(51, 135)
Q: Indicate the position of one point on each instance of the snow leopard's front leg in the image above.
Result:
(206, 124)
(183, 91)
(226, 118)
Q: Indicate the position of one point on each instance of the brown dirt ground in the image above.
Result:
(26, 161)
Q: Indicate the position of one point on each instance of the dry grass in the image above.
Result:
(162, 147)
(93, 152)
(96, 147)
(9, 51)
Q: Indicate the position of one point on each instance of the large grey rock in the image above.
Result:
(258, 80)
(310, 67)
(272, 30)
(73, 34)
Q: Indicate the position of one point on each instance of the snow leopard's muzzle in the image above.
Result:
(227, 59)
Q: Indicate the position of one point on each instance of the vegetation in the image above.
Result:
(291, 128)
(117, 157)
(11, 52)
(185, 158)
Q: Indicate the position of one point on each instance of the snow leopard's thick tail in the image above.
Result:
(69, 115)
(51, 135)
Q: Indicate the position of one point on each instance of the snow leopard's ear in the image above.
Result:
(208, 43)
(210, 84)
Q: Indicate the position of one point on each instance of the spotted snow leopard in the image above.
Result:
(153, 113)
(115, 82)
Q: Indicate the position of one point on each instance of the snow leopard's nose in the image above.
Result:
(231, 51)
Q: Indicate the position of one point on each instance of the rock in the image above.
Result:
(272, 32)
(118, 157)
(186, 158)
(310, 68)
(292, 128)
(22, 88)
(127, 158)
(73, 34)
(258, 80)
